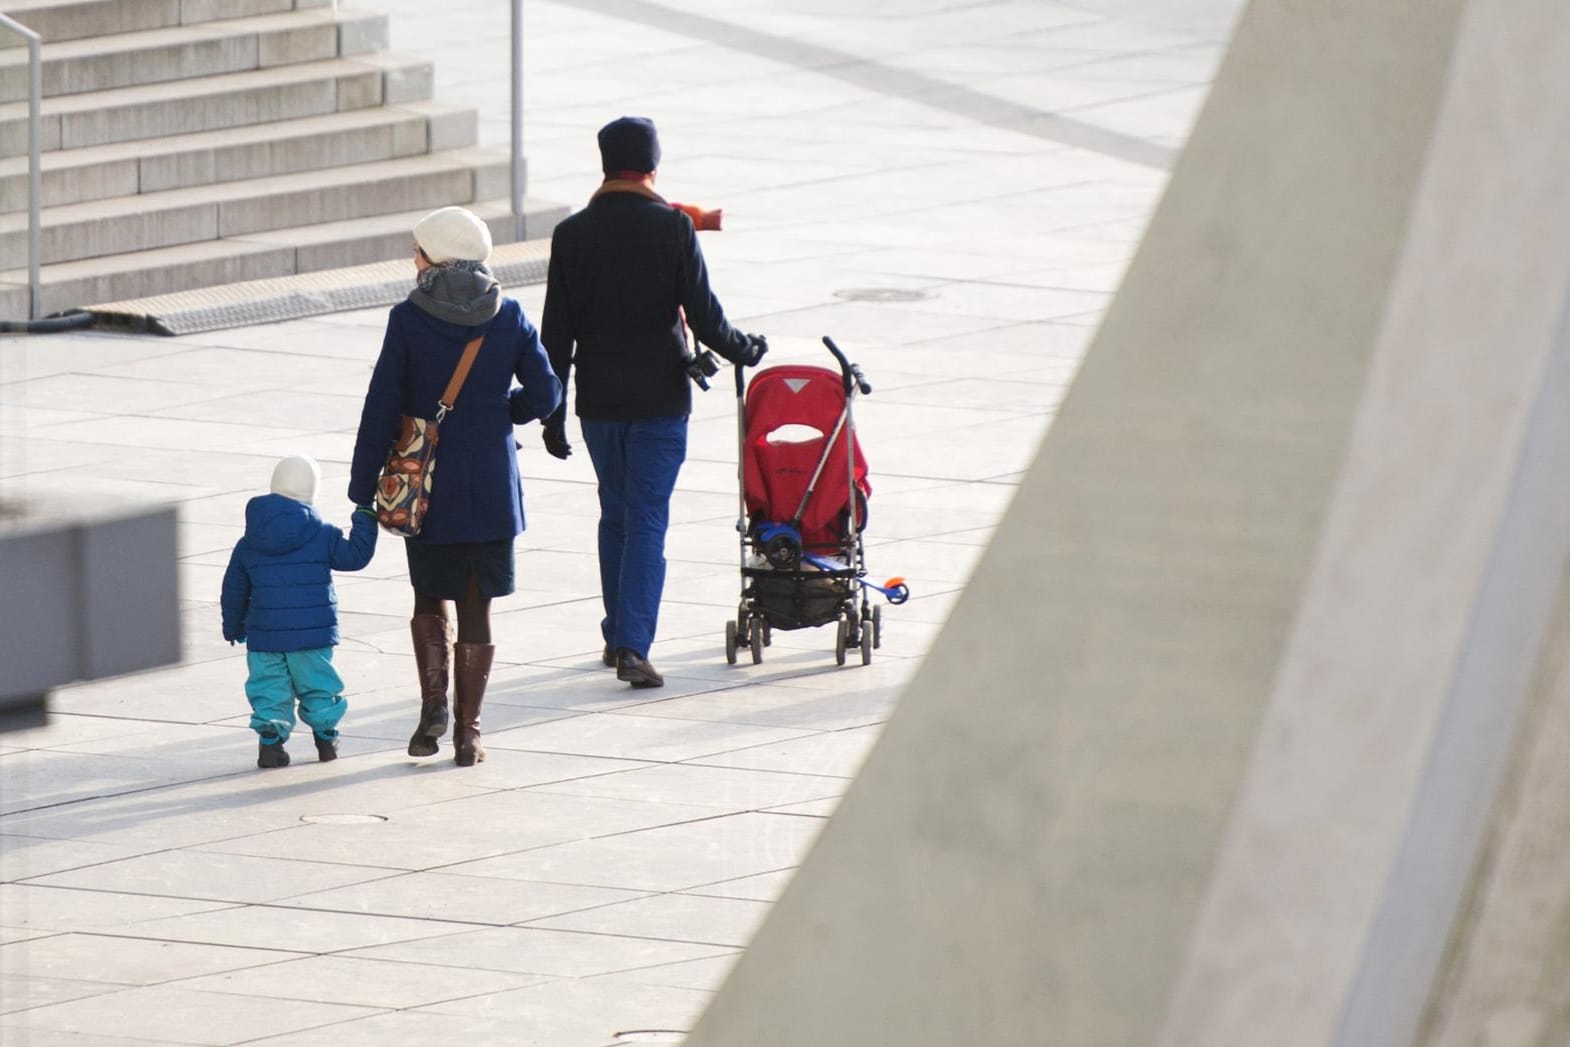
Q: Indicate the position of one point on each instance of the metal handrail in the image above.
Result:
(35, 94)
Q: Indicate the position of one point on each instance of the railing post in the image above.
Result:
(517, 120)
(35, 176)
(35, 95)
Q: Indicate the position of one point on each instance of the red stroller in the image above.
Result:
(804, 491)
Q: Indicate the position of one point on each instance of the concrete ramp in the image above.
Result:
(1210, 751)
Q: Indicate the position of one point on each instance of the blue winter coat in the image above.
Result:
(476, 494)
(278, 591)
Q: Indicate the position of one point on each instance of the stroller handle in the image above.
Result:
(852, 372)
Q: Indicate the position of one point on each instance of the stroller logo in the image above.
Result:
(796, 385)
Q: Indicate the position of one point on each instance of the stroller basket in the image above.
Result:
(804, 490)
(795, 601)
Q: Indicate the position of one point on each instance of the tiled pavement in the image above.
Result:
(951, 191)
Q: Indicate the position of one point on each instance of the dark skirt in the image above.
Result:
(442, 571)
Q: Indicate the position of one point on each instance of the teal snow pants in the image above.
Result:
(277, 680)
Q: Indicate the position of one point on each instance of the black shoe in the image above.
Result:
(274, 755)
(326, 749)
(636, 670)
(609, 656)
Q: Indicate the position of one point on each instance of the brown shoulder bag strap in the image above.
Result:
(459, 376)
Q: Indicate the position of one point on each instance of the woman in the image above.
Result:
(464, 550)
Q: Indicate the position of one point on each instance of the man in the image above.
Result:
(623, 271)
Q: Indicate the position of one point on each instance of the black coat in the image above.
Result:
(618, 271)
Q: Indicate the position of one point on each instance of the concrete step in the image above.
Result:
(308, 248)
(57, 20)
(212, 102)
(273, 299)
(334, 245)
(151, 56)
(72, 176)
(180, 216)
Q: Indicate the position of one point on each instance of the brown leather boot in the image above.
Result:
(471, 671)
(432, 655)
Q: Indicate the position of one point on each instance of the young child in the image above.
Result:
(278, 600)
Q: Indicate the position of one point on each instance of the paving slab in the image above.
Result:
(150, 1012)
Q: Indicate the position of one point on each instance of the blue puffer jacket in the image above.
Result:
(278, 591)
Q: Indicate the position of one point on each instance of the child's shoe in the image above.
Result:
(326, 749)
(272, 754)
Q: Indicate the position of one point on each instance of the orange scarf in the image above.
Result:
(701, 218)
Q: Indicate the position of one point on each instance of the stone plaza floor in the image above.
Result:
(950, 191)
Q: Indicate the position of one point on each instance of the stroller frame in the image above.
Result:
(802, 588)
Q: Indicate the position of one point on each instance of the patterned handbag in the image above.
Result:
(403, 493)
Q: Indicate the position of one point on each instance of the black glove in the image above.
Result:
(555, 436)
(756, 346)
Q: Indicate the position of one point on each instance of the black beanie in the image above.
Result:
(629, 144)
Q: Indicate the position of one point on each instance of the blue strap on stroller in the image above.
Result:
(782, 546)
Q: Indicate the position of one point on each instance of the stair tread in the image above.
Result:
(60, 20)
(174, 36)
(18, 8)
(208, 86)
(225, 192)
(246, 134)
(373, 225)
(131, 261)
(250, 243)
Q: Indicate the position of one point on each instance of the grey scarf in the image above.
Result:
(462, 292)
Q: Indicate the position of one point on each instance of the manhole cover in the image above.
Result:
(342, 819)
(882, 294)
(651, 1036)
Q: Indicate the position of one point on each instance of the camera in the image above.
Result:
(701, 366)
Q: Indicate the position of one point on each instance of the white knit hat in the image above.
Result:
(453, 232)
(297, 477)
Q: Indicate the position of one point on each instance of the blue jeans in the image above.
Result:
(278, 679)
(636, 463)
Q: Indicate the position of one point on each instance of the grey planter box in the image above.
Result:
(84, 593)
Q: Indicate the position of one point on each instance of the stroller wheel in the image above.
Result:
(877, 626)
(865, 642)
(768, 634)
(755, 640)
(841, 641)
(730, 643)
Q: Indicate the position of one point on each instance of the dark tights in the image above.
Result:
(474, 612)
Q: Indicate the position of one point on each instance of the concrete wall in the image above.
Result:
(1507, 978)
(1360, 822)
(1206, 753)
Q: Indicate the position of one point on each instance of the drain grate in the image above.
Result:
(882, 294)
(304, 294)
(651, 1036)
